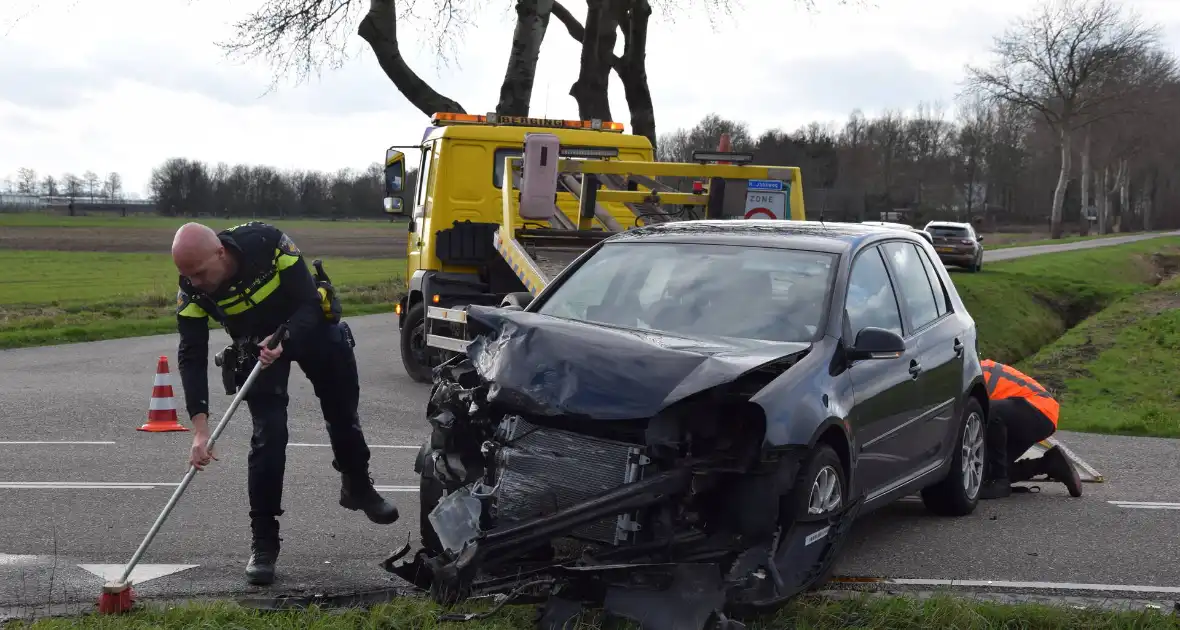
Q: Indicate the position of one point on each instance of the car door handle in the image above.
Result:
(958, 348)
(915, 369)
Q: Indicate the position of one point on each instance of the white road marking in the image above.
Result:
(370, 446)
(12, 559)
(8, 443)
(396, 488)
(1145, 505)
(80, 485)
(140, 574)
(1040, 586)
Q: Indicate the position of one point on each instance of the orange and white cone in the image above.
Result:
(162, 408)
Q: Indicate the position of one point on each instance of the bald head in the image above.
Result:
(200, 256)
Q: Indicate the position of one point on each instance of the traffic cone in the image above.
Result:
(162, 410)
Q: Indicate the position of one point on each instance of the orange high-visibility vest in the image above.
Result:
(1005, 381)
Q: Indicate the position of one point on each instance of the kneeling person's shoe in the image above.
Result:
(359, 494)
(1059, 468)
(995, 489)
(260, 570)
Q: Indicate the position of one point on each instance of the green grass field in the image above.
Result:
(812, 613)
(51, 297)
(45, 220)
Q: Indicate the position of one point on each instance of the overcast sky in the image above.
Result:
(122, 85)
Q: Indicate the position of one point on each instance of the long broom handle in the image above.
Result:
(279, 335)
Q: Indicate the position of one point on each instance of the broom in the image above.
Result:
(118, 596)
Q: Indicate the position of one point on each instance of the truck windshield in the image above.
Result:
(700, 290)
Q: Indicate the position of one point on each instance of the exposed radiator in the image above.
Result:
(542, 470)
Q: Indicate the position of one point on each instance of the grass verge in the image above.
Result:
(1023, 304)
(814, 613)
(1007, 241)
(1115, 373)
(49, 297)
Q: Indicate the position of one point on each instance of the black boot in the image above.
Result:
(1058, 467)
(358, 493)
(995, 489)
(264, 552)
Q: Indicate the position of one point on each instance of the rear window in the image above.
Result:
(952, 232)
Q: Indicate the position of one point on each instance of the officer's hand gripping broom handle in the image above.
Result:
(279, 335)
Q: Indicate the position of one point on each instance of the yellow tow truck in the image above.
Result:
(477, 236)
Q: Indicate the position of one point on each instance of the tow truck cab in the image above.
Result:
(457, 252)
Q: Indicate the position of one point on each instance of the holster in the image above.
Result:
(329, 300)
(235, 361)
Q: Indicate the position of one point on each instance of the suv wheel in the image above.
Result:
(958, 493)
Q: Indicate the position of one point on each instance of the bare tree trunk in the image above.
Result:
(632, 68)
(598, 45)
(1062, 182)
(379, 29)
(1104, 201)
(1124, 195)
(516, 93)
(1149, 192)
(1085, 222)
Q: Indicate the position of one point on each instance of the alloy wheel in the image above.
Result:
(972, 454)
(826, 492)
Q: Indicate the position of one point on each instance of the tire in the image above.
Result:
(412, 333)
(958, 493)
(799, 501)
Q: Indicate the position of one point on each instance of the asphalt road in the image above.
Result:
(70, 459)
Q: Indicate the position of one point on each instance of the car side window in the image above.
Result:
(940, 297)
(915, 286)
(870, 300)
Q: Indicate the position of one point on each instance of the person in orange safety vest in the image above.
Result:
(1022, 413)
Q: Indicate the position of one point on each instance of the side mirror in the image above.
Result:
(393, 205)
(876, 343)
(979, 238)
(395, 172)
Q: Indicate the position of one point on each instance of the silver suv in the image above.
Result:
(957, 244)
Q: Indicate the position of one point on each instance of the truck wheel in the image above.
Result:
(958, 493)
(415, 352)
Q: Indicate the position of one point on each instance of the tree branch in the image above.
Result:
(379, 29)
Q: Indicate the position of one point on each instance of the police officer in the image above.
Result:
(252, 279)
(1022, 413)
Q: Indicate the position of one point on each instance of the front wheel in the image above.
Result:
(415, 352)
(958, 493)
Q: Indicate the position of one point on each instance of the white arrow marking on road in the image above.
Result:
(140, 574)
(80, 485)
(1145, 505)
(31, 443)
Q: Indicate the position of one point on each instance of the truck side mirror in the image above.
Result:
(393, 205)
(395, 172)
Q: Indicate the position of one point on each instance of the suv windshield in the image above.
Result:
(947, 231)
(700, 290)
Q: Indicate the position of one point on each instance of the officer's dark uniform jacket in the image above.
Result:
(272, 285)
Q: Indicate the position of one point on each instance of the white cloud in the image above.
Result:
(124, 85)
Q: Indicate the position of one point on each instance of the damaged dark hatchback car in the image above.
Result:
(681, 428)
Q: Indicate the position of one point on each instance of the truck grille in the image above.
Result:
(542, 470)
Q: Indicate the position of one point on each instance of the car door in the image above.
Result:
(937, 343)
(884, 393)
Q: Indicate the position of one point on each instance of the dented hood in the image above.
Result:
(550, 366)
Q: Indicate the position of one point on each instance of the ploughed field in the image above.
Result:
(355, 239)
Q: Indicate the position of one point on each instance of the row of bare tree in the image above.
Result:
(184, 187)
(88, 186)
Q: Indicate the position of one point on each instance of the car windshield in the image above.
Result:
(947, 231)
(700, 290)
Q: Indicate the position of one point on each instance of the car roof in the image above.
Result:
(947, 224)
(829, 236)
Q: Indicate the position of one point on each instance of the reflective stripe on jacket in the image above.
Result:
(1005, 381)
